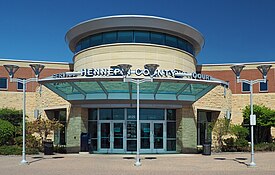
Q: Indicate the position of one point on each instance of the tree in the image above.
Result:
(265, 118)
(6, 132)
(43, 127)
(220, 128)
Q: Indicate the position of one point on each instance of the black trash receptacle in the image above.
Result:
(84, 147)
(206, 149)
(48, 147)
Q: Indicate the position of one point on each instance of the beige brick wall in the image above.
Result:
(15, 100)
(218, 99)
(137, 55)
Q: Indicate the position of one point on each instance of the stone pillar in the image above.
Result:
(74, 128)
(186, 130)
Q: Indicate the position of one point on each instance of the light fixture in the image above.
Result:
(264, 69)
(152, 68)
(11, 69)
(37, 68)
(124, 68)
(237, 69)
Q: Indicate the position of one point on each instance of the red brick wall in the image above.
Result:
(250, 74)
(27, 72)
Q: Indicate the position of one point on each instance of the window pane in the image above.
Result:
(96, 40)
(78, 47)
(110, 37)
(171, 114)
(171, 145)
(263, 86)
(157, 38)
(171, 129)
(190, 48)
(85, 43)
(19, 86)
(182, 44)
(132, 130)
(171, 41)
(131, 145)
(118, 114)
(245, 87)
(142, 37)
(105, 114)
(132, 114)
(125, 36)
(151, 114)
(92, 113)
(3, 83)
(92, 128)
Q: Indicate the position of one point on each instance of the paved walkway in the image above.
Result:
(183, 164)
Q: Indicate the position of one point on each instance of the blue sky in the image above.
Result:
(234, 30)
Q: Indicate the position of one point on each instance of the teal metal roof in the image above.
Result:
(114, 88)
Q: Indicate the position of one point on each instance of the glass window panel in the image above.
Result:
(78, 47)
(105, 114)
(92, 114)
(171, 145)
(263, 86)
(171, 114)
(110, 37)
(20, 85)
(151, 114)
(182, 44)
(92, 128)
(245, 87)
(118, 114)
(85, 43)
(157, 38)
(93, 144)
(125, 36)
(96, 40)
(189, 48)
(131, 145)
(3, 83)
(171, 41)
(132, 114)
(62, 116)
(171, 130)
(131, 130)
(142, 37)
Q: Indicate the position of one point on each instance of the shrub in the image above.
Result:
(239, 131)
(12, 115)
(6, 132)
(16, 150)
(265, 147)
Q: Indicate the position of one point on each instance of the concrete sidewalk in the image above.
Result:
(99, 164)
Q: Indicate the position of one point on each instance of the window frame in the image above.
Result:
(266, 86)
(243, 87)
(7, 83)
(22, 84)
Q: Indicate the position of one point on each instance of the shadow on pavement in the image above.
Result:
(240, 160)
(39, 158)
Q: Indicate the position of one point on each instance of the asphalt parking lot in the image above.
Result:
(100, 164)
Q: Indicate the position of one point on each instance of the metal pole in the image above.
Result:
(138, 163)
(251, 164)
(24, 161)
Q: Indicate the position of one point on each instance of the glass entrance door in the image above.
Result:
(111, 137)
(152, 135)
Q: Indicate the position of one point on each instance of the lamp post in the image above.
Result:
(37, 68)
(264, 70)
(125, 71)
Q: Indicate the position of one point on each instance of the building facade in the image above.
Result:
(93, 102)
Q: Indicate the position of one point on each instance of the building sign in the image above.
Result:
(109, 72)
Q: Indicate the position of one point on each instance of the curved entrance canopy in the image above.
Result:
(113, 88)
